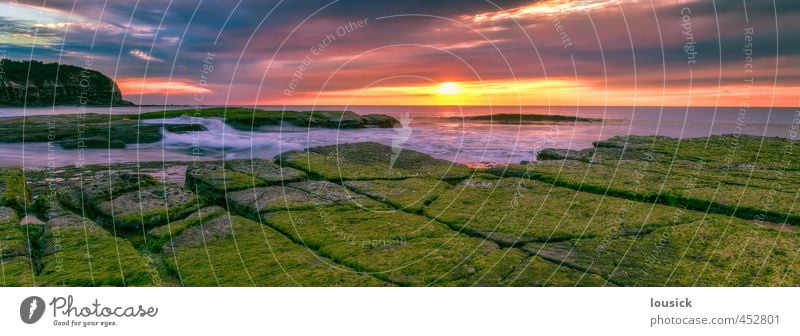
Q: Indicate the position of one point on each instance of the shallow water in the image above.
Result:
(429, 129)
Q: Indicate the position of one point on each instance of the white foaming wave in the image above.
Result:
(219, 135)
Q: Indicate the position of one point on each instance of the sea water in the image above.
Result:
(436, 130)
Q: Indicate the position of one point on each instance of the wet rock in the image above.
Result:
(84, 195)
(329, 119)
(559, 154)
(185, 128)
(380, 120)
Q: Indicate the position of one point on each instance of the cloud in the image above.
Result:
(144, 56)
(617, 47)
(160, 86)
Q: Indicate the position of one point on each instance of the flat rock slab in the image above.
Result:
(369, 161)
(148, 207)
(513, 211)
(266, 171)
(298, 196)
(409, 194)
(692, 185)
(715, 251)
(216, 178)
(159, 235)
(234, 251)
(78, 252)
(92, 190)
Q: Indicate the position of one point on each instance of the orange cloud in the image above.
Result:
(554, 91)
(160, 85)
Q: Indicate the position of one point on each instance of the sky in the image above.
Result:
(422, 52)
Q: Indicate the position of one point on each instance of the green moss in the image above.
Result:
(77, 252)
(13, 241)
(538, 272)
(325, 226)
(512, 211)
(239, 252)
(370, 161)
(409, 195)
(16, 272)
(716, 251)
(13, 190)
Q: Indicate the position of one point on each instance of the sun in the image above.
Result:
(449, 88)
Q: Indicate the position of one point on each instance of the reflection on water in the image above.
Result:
(430, 132)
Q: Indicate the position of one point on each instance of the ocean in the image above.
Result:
(436, 130)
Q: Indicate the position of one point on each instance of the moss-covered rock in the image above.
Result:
(411, 250)
(217, 178)
(513, 211)
(715, 251)
(370, 161)
(148, 207)
(266, 171)
(212, 179)
(160, 235)
(13, 241)
(13, 190)
(233, 251)
(409, 194)
(84, 194)
(16, 272)
(78, 252)
(298, 196)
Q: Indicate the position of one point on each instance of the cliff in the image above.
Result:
(34, 83)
